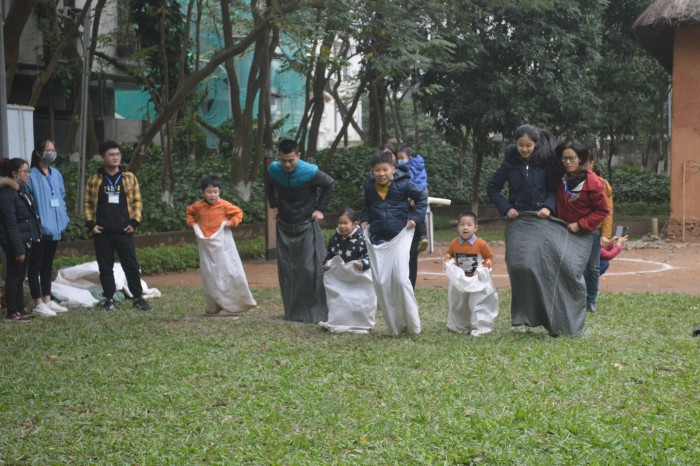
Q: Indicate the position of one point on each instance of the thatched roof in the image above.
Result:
(656, 27)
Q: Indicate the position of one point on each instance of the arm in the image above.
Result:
(599, 210)
(191, 215)
(610, 253)
(420, 197)
(133, 198)
(234, 214)
(486, 254)
(90, 204)
(495, 187)
(270, 191)
(366, 207)
(606, 226)
(364, 260)
(550, 199)
(327, 185)
(8, 209)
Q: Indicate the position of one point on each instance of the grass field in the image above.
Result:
(174, 387)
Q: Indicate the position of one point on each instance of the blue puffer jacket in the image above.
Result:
(387, 217)
(529, 187)
(19, 222)
(416, 165)
(44, 188)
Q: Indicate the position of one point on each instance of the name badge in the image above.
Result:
(113, 198)
(54, 202)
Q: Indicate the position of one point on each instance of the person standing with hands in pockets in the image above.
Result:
(112, 214)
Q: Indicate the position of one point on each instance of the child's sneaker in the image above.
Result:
(141, 304)
(55, 307)
(422, 245)
(108, 305)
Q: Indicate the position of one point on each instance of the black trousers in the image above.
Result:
(14, 281)
(105, 246)
(40, 265)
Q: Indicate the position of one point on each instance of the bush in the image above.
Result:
(632, 185)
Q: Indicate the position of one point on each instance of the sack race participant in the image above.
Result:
(352, 303)
(224, 281)
(298, 194)
(471, 295)
(392, 284)
(547, 262)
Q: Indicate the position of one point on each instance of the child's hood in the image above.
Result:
(356, 233)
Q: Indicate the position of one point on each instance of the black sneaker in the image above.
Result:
(108, 305)
(142, 304)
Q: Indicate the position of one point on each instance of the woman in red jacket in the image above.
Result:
(581, 201)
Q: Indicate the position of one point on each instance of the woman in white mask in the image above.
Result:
(46, 185)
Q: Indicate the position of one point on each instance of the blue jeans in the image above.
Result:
(592, 272)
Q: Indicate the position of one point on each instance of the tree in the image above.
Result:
(512, 64)
(16, 19)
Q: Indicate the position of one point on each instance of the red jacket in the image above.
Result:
(587, 207)
(610, 252)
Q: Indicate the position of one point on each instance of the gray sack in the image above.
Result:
(300, 254)
(545, 265)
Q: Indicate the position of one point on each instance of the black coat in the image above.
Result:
(19, 224)
(530, 187)
(387, 217)
(352, 248)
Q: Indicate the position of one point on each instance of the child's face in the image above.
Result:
(211, 194)
(383, 172)
(571, 161)
(526, 146)
(345, 225)
(403, 157)
(466, 227)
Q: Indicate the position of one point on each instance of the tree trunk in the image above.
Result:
(480, 144)
(16, 19)
(57, 55)
(185, 89)
(416, 129)
(320, 80)
(346, 121)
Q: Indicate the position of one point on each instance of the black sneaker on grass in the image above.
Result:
(108, 305)
(142, 304)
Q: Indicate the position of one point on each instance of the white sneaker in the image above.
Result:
(55, 307)
(43, 310)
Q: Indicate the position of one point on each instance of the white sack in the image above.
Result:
(473, 300)
(391, 283)
(72, 284)
(224, 281)
(350, 296)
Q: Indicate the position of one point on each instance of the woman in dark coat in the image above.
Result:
(19, 226)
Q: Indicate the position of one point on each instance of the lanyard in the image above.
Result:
(114, 185)
(50, 180)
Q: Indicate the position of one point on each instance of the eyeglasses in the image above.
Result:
(569, 159)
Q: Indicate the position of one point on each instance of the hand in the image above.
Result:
(512, 213)
(544, 212)
(129, 229)
(274, 212)
(410, 225)
(96, 230)
(621, 241)
(363, 225)
(411, 203)
(227, 225)
(317, 215)
(20, 258)
(604, 241)
(573, 227)
(358, 265)
(487, 263)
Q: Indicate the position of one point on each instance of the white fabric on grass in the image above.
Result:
(223, 278)
(72, 284)
(352, 303)
(473, 300)
(391, 283)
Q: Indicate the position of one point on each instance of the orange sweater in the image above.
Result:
(209, 216)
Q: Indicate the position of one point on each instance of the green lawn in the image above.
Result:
(174, 387)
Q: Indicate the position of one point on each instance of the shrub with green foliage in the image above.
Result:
(632, 185)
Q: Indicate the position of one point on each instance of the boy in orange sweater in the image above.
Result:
(223, 278)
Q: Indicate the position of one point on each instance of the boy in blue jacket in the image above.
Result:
(386, 201)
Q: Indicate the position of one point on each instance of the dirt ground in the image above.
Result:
(653, 267)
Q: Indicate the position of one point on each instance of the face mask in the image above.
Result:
(402, 163)
(49, 157)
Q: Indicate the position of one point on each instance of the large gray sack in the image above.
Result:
(545, 265)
